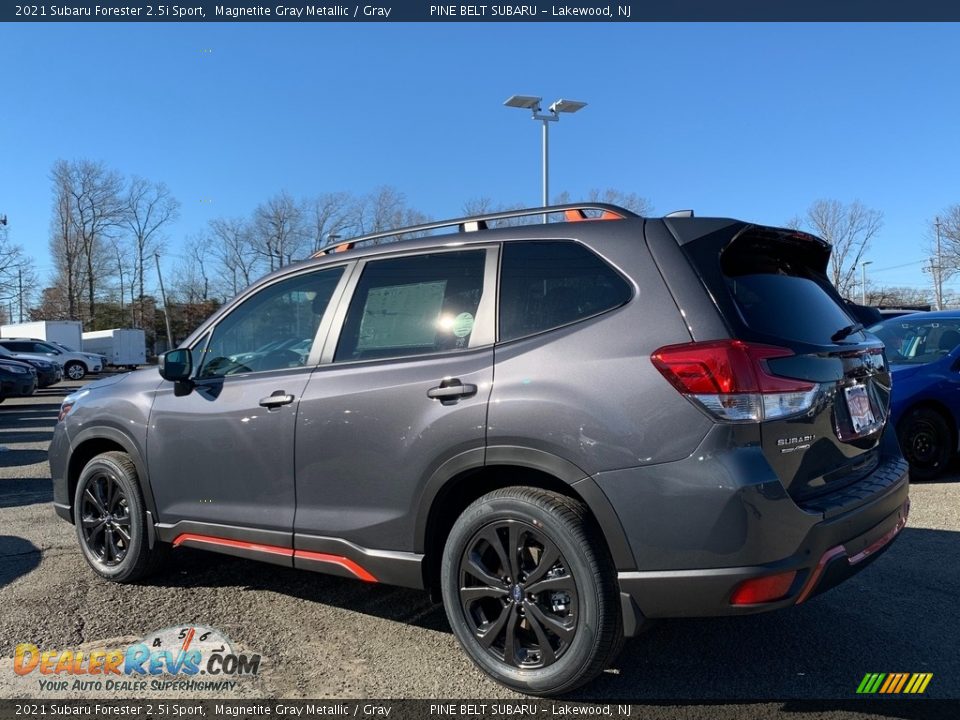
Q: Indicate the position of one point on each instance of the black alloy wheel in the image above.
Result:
(111, 520)
(925, 440)
(518, 593)
(531, 591)
(105, 519)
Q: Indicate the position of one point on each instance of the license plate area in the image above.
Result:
(862, 418)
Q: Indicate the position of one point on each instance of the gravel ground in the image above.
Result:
(326, 637)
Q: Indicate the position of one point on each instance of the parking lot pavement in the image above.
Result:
(329, 637)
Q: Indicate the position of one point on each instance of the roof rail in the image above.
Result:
(572, 212)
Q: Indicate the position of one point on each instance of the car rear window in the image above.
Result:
(779, 294)
(549, 284)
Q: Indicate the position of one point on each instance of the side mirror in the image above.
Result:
(176, 365)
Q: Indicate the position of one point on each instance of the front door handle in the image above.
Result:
(450, 391)
(276, 399)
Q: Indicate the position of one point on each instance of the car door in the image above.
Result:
(402, 387)
(221, 455)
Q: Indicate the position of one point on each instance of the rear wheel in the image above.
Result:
(75, 370)
(530, 591)
(926, 442)
(111, 520)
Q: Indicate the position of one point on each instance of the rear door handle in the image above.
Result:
(450, 391)
(276, 399)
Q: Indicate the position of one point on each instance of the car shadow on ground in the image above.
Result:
(196, 568)
(10, 457)
(885, 619)
(18, 492)
(17, 557)
(25, 436)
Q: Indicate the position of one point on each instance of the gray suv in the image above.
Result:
(563, 430)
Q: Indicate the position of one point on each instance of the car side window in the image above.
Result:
(548, 284)
(273, 329)
(413, 305)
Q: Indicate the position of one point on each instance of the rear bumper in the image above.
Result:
(833, 550)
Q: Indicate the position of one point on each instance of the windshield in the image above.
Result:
(917, 341)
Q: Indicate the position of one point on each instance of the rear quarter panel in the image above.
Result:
(588, 392)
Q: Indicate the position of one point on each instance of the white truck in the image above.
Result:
(64, 332)
(123, 347)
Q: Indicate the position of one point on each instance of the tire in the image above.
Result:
(565, 633)
(111, 520)
(75, 370)
(927, 443)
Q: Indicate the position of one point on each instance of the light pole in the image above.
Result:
(863, 281)
(532, 103)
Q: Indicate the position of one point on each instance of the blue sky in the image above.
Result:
(746, 120)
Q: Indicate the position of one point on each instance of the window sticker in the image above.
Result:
(463, 324)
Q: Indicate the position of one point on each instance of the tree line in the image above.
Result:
(108, 232)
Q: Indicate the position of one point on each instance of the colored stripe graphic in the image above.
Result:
(894, 683)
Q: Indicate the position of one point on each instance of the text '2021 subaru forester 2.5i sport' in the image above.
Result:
(561, 429)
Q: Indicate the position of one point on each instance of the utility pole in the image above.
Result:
(166, 308)
(20, 292)
(937, 279)
(863, 281)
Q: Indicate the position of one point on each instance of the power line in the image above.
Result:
(895, 267)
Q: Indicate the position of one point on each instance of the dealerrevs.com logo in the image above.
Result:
(188, 657)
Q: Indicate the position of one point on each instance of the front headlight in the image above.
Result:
(17, 369)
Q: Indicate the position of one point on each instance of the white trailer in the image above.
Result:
(65, 332)
(121, 346)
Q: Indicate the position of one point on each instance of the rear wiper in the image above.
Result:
(846, 332)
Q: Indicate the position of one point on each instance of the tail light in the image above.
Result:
(730, 380)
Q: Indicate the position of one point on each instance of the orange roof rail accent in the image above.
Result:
(578, 215)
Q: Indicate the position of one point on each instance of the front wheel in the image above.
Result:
(530, 591)
(926, 442)
(75, 370)
(111, 520)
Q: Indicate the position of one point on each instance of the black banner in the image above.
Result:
(253, 709)
(575, 11)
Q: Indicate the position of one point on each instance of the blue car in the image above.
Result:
(924, 354)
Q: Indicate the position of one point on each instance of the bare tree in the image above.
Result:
(849, 229)
(18, 277)
(898, 296)
(94, 195)
(279, 230)
(943, 251)
(233, 247)
(192, 283)
(148, 207)
(124, 266)
(386, 208)
(630, 201)
(332, 215)
(65, 245)
(484, 205)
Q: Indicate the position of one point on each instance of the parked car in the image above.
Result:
(16, 380)
(560, 431)
(48, 371)
(76, 365)
(924, 353)
(94, 356)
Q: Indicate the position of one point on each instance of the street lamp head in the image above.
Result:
(567, 106)
(527, 102)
